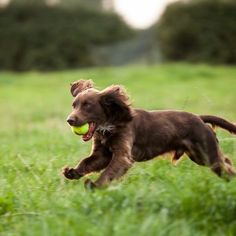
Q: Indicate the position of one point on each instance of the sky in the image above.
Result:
(140, 13)
(3, 2)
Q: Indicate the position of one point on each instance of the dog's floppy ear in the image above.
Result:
(79, 86)
(115, 103)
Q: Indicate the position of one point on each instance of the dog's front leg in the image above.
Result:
(90, 164)
(98, 160)
(118, 166)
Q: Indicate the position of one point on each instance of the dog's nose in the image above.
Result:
(71, 121)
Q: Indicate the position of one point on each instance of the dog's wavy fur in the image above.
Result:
(125, 135)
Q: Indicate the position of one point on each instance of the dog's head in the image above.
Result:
(98, 108)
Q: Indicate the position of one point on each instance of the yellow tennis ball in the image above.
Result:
(80, 130)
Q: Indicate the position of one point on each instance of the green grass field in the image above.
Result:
(154, 198)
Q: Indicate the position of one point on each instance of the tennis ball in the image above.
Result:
(80, 130)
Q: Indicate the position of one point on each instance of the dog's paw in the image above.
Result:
(71, 173)
(89, 184)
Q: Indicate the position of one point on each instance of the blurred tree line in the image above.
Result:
(45, 35)
(199, 30)
(61, 34)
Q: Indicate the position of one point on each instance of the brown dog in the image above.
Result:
(122, 135)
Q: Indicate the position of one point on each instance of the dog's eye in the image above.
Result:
(87, 105)
(75, 104)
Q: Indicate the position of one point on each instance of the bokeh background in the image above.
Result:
(65, 34)
(169, 54)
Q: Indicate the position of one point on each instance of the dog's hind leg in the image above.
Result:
(200, 156)
(228, 167)
(219, 163)
(206, 152)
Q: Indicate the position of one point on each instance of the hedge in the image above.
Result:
(202, 31)
(48, 38)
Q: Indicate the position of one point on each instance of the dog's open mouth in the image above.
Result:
(89, 134)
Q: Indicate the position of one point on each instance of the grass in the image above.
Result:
(154, 198)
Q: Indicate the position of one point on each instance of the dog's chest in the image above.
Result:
(104, 133)
(107, 128)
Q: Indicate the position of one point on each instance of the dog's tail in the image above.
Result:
(220, 122)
